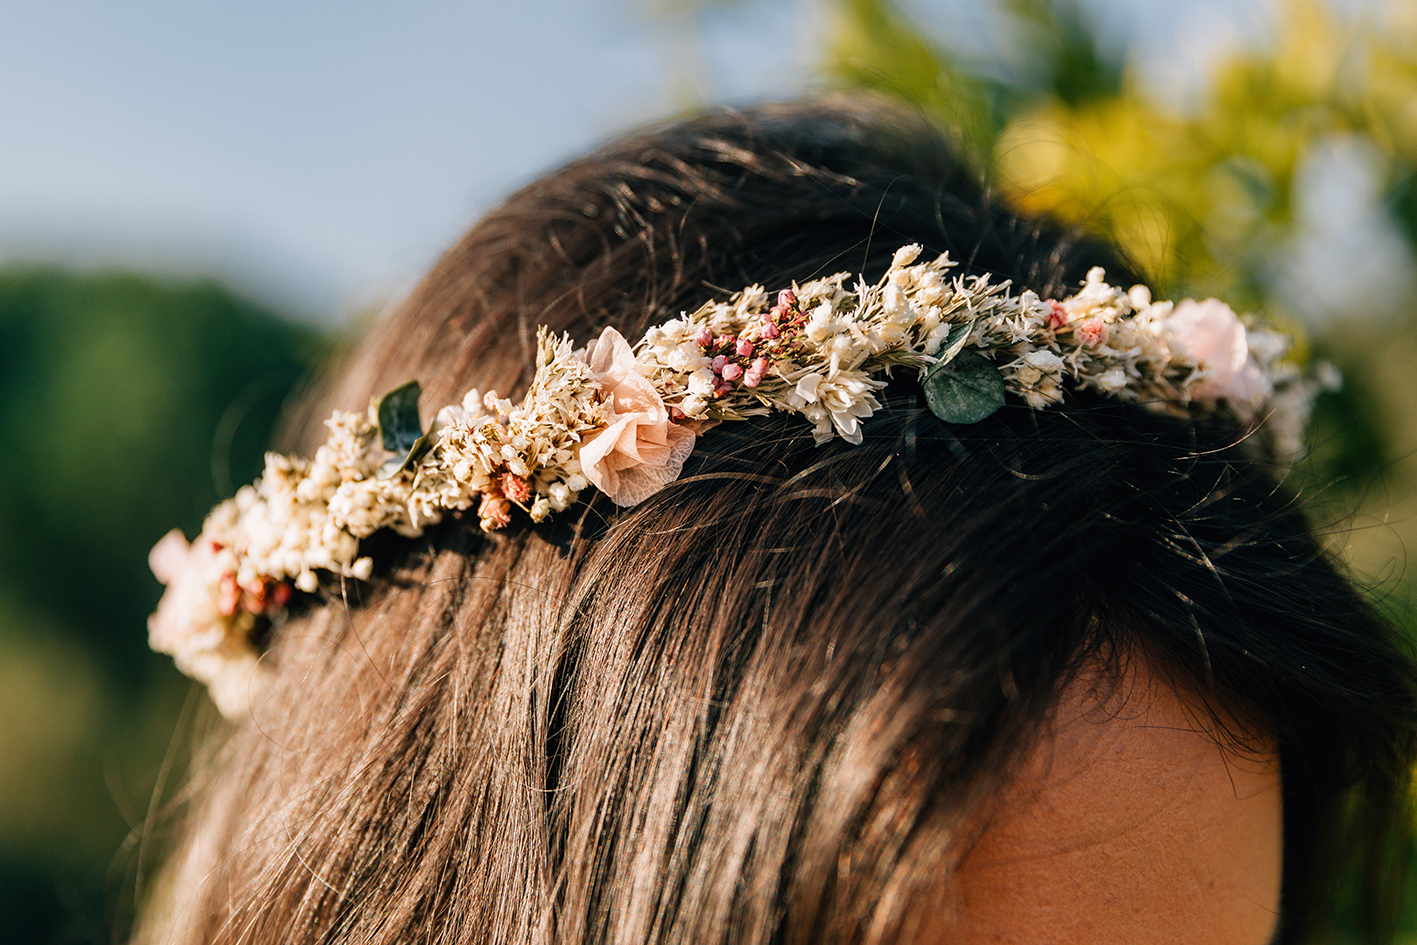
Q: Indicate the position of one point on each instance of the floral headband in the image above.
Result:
(624, 419)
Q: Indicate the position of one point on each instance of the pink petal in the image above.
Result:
(168, 558)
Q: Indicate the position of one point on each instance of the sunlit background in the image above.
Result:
(199, 199)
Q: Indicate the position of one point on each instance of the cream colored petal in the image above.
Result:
(640, 482)
(168, 558)
(594, 450)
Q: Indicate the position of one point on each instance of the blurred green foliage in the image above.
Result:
(1201, 197)
(127, 406)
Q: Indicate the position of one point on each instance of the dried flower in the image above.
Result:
(1093, 332)
(639, 450)
(1211, 332)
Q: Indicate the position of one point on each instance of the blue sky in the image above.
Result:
(319, 155)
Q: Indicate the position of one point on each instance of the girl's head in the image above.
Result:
(913, 690)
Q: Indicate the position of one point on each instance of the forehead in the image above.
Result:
(1129, 823)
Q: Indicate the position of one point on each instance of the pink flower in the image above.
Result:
(514, 487)
(189, 609)
(168, 558)
(1057, 315)
(229, 600)
(639, 451)
(756, 372)
(190, 626)
(1211, 333)
(1092, 332)
(494, 512)
(731, 372)
(745, 348)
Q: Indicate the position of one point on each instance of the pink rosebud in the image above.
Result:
(514, 487)
(639, 451)
(229, 596)
(755, 373)
(1057, 315)
(721, 387)
(253, 598)
(1093, 332)
(745, 348)
(724, 341)
(786, 298)
(704, 337)
(719, 362)
(494, 511)
(769, 331)
(731, 372)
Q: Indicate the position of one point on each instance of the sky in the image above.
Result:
(320, 155)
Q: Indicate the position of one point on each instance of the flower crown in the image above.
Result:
(624, 420)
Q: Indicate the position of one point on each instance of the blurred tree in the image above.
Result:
(127, 406)
(1207, 198)
(873, 46)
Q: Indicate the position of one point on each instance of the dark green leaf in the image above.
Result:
(400, 430)
(417, 451)
(964, 390)
(398, 418)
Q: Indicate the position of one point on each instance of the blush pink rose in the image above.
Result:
(640, 450)
(188, 610)
(1213, 334)
(1093, 332)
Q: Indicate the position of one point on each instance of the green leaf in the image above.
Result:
(400, 430)
(398, 464)
(964, 390)
(398, 418)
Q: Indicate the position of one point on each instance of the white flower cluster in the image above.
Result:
(624, 420)
(824, 348)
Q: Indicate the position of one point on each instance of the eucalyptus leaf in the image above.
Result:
(398, 418)
(398, 464)
(966, 389)
(400, 429)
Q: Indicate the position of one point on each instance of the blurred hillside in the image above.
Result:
(126, 406)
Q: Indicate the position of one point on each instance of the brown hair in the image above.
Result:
(764, 705)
